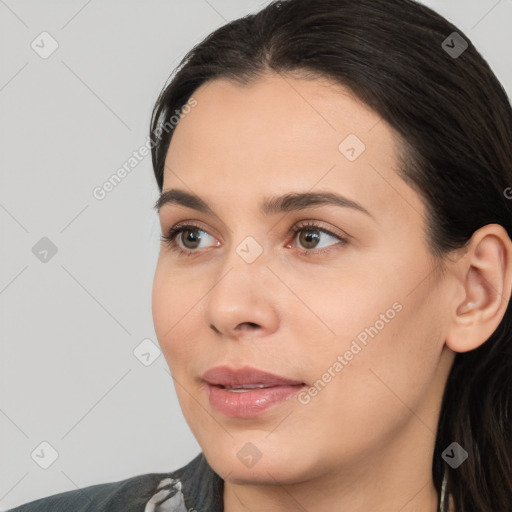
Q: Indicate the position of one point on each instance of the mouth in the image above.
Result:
(243, 388)
(247, 392)
(245, 378)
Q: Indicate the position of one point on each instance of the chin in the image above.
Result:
(268, 474)
(277, 467)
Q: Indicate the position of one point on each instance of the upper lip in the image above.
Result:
(227, 376)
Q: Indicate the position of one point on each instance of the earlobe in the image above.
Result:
(486, 282)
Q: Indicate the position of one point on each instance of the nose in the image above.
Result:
(241, 302)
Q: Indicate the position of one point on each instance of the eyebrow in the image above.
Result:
(270, 206)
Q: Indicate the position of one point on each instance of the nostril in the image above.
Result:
(247, 324)
(215, 328)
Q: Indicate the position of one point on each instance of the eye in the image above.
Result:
(190, 236)
(187, 239)
(310, 234)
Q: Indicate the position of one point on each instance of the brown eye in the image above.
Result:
(309, 239)
(186, 239)
(189, 238)
(314, 238)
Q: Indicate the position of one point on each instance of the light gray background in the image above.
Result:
(69, 326)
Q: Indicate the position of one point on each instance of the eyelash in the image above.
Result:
(170, 238)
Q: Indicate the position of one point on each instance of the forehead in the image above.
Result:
(281, 132)
(291, 116)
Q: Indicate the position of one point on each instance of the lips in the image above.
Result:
(247, 392)
(245, 378)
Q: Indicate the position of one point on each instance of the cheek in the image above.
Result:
(174, 308)
(161, 304)
(397, 366)
(376, 392)
(388, 335)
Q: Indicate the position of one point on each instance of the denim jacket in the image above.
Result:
(192, 488)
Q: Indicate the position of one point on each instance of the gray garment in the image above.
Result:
(192, 488)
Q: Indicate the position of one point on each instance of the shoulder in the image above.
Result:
(132, 491)
(136, 494)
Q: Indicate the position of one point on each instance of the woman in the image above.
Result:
(332, 293)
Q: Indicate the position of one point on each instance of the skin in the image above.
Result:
(366, 440)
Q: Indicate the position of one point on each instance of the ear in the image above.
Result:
(484, 279)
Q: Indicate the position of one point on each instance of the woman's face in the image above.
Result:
(349, 305)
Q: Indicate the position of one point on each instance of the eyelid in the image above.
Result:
(318, 225)
(191, 224)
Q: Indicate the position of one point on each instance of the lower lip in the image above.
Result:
(247, 404)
